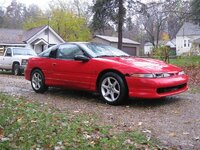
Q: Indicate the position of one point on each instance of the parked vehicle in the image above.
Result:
(111, 72)
(15, 59)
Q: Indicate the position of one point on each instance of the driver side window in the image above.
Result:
(8, 52)
(68, 51)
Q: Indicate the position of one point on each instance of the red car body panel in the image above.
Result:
(84, 75)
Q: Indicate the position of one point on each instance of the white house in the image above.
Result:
(187, 35)
(129, 46)
(148, 47)
(38, 38)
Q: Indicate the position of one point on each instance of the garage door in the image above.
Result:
(130, 50)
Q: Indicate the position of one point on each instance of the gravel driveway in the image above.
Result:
(175, 120)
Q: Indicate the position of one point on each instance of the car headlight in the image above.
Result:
(24, 61)
(146, 75)
(165, 75)
(181, 73)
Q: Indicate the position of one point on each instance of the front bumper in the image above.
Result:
(156, 87)
(22, 68)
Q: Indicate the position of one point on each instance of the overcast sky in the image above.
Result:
(41, 3)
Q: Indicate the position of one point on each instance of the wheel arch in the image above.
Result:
(36, 68)
(43, 87)
(15, 62)
(114, 71)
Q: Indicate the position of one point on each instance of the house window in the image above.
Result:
(185, 43)
(189, 42)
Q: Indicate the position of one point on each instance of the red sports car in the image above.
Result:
(111, 72)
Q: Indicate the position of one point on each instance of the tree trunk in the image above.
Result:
(120, 24)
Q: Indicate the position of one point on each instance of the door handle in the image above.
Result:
(54, 64)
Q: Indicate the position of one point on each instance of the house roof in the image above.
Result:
(31, 32)
(11, 36)
(19, 36)
(113, 39)
(189, 29)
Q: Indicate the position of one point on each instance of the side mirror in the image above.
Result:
(81, 58)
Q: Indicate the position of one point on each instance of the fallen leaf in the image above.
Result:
(186, 133)
(197, 138)
(128, 141)
(148, 137)
(76, 111)
(85, 122)
(87, 136)
(5, 139)
(1, 133)
(140, 123)
(33, 121)
(172, 134)
(146, 131)
(78, 130)
(19, 119)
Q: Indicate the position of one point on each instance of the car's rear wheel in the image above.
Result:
(112, 88)
(38, 81)
(16, 69)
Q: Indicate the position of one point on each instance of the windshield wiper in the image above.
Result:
(105, 56)
(124, 56)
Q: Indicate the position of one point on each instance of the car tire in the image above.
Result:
(38, 81)
(16, 69)
(112, 89)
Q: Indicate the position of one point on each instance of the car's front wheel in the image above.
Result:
(112, 88)
(38, 81)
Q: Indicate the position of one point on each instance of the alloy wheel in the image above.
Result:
(36, 81)
(110, 89)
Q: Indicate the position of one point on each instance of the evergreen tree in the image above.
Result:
(195, 10)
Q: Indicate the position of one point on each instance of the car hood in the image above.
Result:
(145, 64)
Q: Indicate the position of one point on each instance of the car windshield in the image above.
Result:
(23, 51)
(101, 50)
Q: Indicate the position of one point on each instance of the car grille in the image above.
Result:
(170, 89)
(161, 75)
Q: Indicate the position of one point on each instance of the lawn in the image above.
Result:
(191, 66)
(29, 125)
(186, 61)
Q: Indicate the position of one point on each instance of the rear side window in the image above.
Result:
(68, 51)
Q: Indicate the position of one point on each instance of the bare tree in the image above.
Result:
(160, 16)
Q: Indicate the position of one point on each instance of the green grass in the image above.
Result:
(5, 72)
(186, 61)
(29, 125)
(194, 89)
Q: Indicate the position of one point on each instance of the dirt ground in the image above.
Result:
(174, 121)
